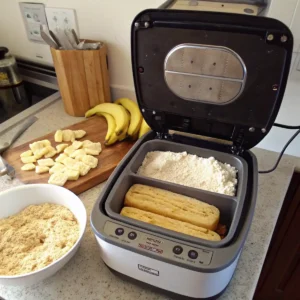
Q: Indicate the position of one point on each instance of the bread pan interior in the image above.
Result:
(161, 145)
(226, 204)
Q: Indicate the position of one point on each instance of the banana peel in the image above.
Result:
(135, 115)
(111, 136)
(117, 111)
(144, 128)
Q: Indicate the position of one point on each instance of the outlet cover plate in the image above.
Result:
(64, 18)
(33, 16)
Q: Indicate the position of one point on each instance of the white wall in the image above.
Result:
(288, 11)
(104, 20)
(289, 113)
(110, 21)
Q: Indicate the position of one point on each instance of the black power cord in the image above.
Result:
(286, 126)
(284, 148)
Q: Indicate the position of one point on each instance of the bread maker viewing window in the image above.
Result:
(205, 73)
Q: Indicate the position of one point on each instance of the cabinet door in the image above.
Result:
(280, 276)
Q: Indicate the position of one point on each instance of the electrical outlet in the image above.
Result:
(33, 16)
(64, 18)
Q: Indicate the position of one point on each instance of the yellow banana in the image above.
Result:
(117, 111)
(135, 136)
(144, 128)
(135, 115)
(122, 136)
(111, 124)
(111, 136)
(114, 138)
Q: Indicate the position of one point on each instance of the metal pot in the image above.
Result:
(9, 74)
(13, 96)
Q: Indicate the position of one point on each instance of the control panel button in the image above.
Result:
(193, 254)
(177, 250)
(132, 235)
(119, 231)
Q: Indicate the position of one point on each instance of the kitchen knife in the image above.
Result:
(55, 38)
(63, 40)
(47, 38)
(71, 38)
(75, 36)
(23, 128)
(6, 169)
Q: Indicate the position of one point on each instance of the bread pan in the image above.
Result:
(161, 145)
(226, 204)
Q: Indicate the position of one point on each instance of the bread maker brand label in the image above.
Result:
(148, 270)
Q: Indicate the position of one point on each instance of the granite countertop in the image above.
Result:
(86, 276)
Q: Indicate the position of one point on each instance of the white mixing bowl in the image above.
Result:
(16, 199)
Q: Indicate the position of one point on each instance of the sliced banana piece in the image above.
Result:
(36, 146)
(68, 135)
(26, 153)
(48, 162)
(39, 153)
(58, 178)
(79, 134)
(46, 143)
(79, 157)
(69, 150)
(51, 152)
(77, 144)
(78, 152)
(28, 159)
(86, 143)
(94, 146)
(58, 167)
(61, 147)
(71, 163)
(83, 168)
(58, 136)
(90, 161)
(61, 157)
(92, 151)
(72, 174)
(28, 167)
(41, 169)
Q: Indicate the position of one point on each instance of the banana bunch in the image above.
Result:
(123, 118)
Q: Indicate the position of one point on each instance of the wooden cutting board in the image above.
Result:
(109, 158)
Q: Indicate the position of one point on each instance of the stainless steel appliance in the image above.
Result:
(219, 77)
(24, 83)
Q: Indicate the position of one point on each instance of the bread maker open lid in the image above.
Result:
(213, 74)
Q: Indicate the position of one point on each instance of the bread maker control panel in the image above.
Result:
(156, 245)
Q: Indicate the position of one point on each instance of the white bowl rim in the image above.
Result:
(27, 186)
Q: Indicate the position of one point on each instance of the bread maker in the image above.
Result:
(210, 84)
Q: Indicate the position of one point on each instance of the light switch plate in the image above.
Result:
(33, 15)
(64, 18)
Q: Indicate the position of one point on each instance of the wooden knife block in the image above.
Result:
(82, 78)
